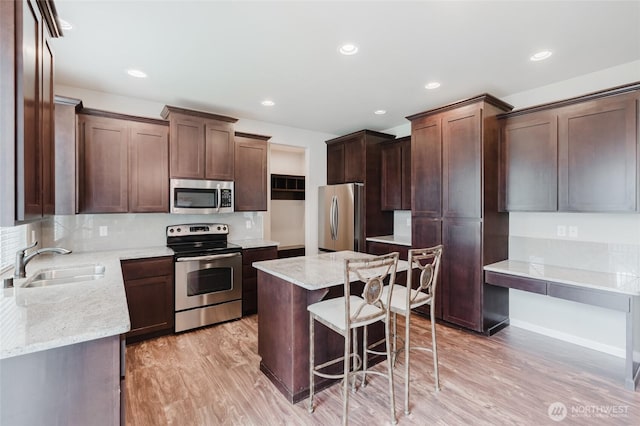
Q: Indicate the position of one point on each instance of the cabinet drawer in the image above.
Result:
(142, 268)
(605, 299)
(253, 255)
(519, 283)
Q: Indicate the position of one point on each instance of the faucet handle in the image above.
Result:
(35, 243)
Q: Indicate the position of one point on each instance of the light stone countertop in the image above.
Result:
(254, 243)
(618, 283)
(392, 239)
(37, 319)
(314, 272)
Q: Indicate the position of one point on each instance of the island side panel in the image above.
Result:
(283, 335)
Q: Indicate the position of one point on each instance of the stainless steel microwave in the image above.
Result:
(190, 196)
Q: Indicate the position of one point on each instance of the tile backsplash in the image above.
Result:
(88, 232)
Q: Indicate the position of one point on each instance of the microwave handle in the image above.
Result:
(219, 195)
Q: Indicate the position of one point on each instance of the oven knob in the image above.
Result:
(171, 230)
(218, 228)
(178, 229)
(224, 228)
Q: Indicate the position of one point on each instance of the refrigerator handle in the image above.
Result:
(332, 218)
(336, 219)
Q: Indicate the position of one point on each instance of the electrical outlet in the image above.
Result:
(33, 235)
(408, 223)
(248, 224)
(573, 231)
(104, 231)
(561, 231)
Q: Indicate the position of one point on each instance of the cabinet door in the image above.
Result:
(104, 172)
(250, 174)
(462, 159)
(391, 177)
(405, 175)
(426, 168)
(187, 147)
(149, 168)
(29, 148)
(48, 137)
(461, 274)
(598, 155)
(149, 288)
(354, 160)
(335, 163)
(250, 276)
(529, 151)
(219, 149)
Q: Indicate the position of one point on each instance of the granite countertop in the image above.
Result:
(403, 240)
(37, 319)
(254, 243)
(314, 272)
(619, 283)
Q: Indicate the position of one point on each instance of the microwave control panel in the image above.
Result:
(226, 199)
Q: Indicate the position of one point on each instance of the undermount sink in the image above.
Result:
(66, 275)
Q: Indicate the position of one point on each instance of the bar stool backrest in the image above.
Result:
(427, 261)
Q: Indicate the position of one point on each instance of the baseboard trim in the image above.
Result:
(570, 338)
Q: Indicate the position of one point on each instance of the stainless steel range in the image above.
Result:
(208, 274)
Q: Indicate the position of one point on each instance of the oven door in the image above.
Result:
(208, 280)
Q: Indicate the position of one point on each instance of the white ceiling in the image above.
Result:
(227, 56)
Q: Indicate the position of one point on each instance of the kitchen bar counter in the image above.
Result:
(392, 239)
(619, 292)
(38, 319)
(254, 243)
(285, 288)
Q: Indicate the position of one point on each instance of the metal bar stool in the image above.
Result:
(345, 315)
(427, 261)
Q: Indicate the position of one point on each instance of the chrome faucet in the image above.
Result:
(22, 260)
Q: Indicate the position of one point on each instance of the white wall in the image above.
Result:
(605, 242)
(312, 142)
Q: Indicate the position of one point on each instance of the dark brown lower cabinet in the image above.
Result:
(150, 297)
(250, 276)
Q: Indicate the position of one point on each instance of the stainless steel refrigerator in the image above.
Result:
(340, 221)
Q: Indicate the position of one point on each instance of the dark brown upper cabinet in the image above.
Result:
(356, 157)
(347, 156)
(396, 174)
(201, 144)
(454, 161)
(575, 155)
(27, 187)
(598, 155)
(529, 147)
(148, 168)
(250, 185)
(122, 163)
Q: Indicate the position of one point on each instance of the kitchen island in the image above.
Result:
(285, 288)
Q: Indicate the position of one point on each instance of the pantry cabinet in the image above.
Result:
(201, 144)
(575, 155)
(454, 162)
(26, 110)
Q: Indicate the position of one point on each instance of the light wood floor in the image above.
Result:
(211, 376)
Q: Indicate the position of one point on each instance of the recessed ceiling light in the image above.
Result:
(432, 85)
(268, 102)
(65, 25)
(542, 55)
(380, 112)
(136, 73)
(348, 49)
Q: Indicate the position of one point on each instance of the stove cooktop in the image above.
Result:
(200, 239)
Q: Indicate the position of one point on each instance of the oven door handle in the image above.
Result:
(210, 257)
